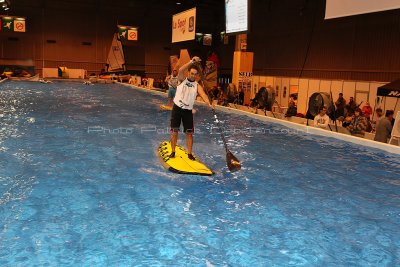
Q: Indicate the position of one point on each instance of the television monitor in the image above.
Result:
(236, 16)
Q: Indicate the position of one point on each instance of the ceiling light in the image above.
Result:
(2, 1)
(178, 3)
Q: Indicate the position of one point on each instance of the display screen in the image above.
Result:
(343, 8)
(236, 16)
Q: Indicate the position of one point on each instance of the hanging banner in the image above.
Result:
(224, 38)
(199, 38)
(207, 39)
(211, 71)
(184, 26)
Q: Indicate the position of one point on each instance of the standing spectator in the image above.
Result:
(351, 106)
(321, 120)
(359, 124)
(340, 105)
(379, 114)
(384, 127)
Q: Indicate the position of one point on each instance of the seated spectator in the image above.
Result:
(358, 124)
(231, 93)
(144, 82)
(292, 109)
(216, 92)
(223, 99)
(321, 120)
(241, 97)
(346, 121)
(384, 127)
(367, 111)
(133, 80)
(210, 92)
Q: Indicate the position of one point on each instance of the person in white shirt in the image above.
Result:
(172, 81)
(186, 93)
(321, 120)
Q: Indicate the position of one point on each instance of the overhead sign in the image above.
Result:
(132, 35)
(12, 24)
(19, 25)
(184, 26)
(128, 33)
(7, 23)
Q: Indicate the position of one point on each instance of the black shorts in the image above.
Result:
(185, 116)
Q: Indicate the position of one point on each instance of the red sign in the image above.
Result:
(19, 26)
(132, 34)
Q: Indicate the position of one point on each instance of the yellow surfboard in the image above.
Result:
(181, 163)
(165, 107)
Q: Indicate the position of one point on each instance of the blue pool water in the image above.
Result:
(81, 185)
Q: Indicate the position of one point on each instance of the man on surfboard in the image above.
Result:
(185, 96)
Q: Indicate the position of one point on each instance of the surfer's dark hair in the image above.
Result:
(194, 66)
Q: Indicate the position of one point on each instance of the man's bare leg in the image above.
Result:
(189, 142)
(174, 139)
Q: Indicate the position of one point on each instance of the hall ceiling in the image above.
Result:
(167, 4)
(210, 13)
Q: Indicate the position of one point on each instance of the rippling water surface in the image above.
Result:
(81, 185)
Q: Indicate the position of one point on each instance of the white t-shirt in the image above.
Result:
(321, 121)
(186, 94)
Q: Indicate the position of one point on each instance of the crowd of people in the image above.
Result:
(359, 121)
(356, 120)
